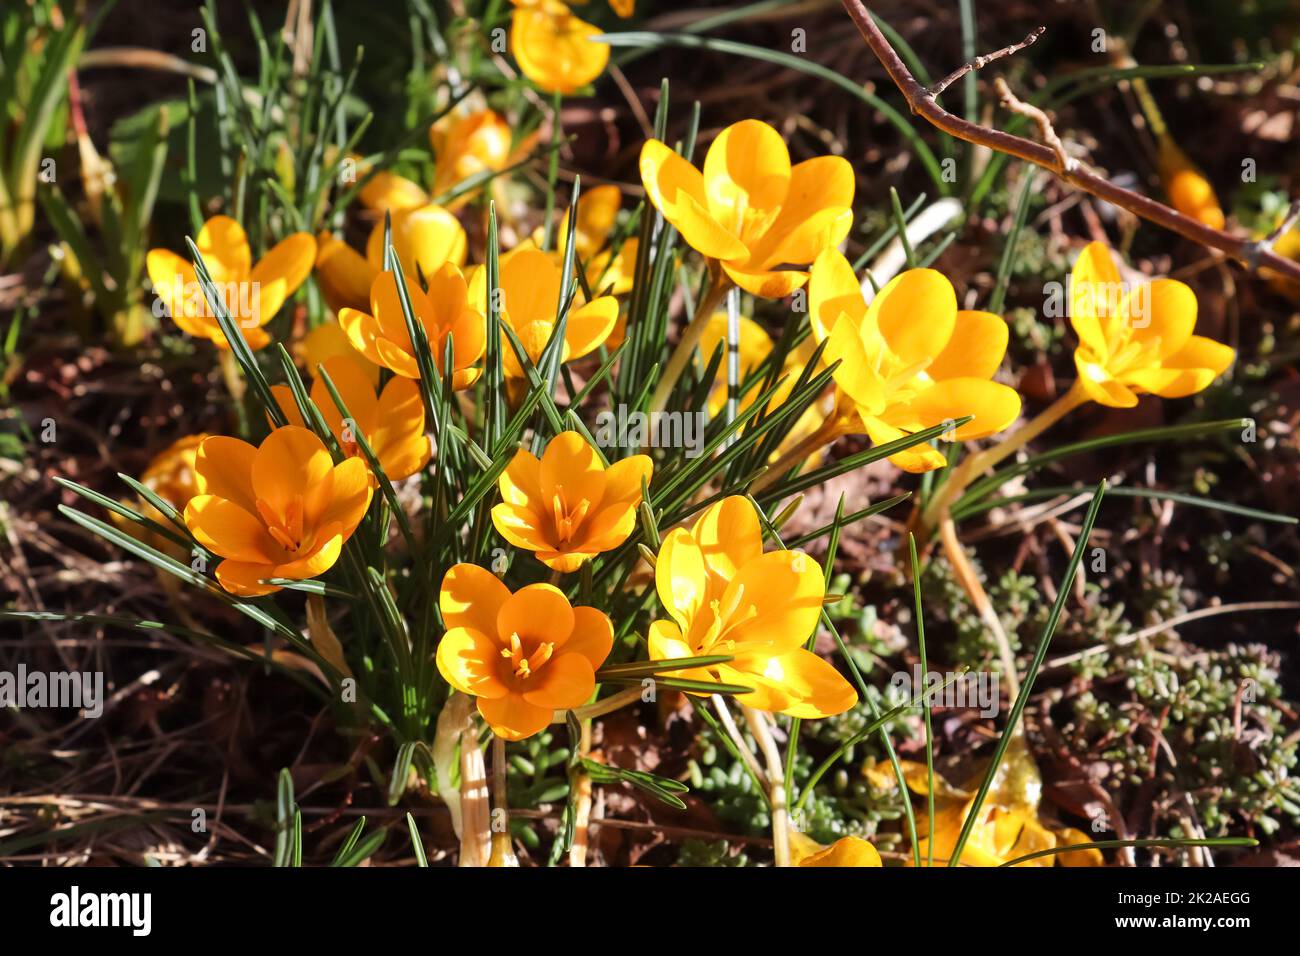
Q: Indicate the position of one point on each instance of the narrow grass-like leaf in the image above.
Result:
(1063, 590)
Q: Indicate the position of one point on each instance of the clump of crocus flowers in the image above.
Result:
(738, 614)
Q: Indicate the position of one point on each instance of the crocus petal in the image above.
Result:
(472, 597)
(521, 482)
(357, 392)
(245, 579)
(1162, 312)
(176, 285)
(729, 537)
(539, 611)
(226, 529)
(833, 290)
(681, 577)
(915, 460)
(571, 470)
(224, 467)
(775, 600)
(775, 284)
(321, 559)
(350, 496)
(512, 717)
(846, 851)
(592, 637)
(624, 478)
(664, 642)
(389, 192)
(386, 306)
(589, 326)
(292, 463)
(856, 375)
(363, 330)
(555, 49)
(816, 214)
(994, 405)
(746, 175)
(224, 246)
(1098, 385)
(522, 527)
(426, 235)
(281, 271)
(399, 425)
(1094, 284)
(468, 660)
(1199, 362)
(530, 287)
(342, 272)
(676, 188)
(813, 687)
(978, 343)
(565, 681)
(916, 312)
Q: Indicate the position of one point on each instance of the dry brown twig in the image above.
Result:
(1254, 254)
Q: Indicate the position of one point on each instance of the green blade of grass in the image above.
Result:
(1063, 591)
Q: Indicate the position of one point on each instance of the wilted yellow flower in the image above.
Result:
(392, 423)
(750, 209)
(429, 236)
(554, 48)
(911, 359)
(529, 288)
(725, 596)
(444, 311)
(567, 507)
(281, 510)
(1135, 340)
(252, 293)
(1186, 186)
(523, 655)
(846, 851)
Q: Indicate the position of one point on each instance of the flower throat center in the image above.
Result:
(525, 666)
(287, 530)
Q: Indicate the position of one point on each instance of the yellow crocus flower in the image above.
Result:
(523, 655)
(529, 286)
(750, 209)
(428, 236)
(1136, 340)
(444, 311)
(726, 596)
(554, 48)
(911, 359)
(252, 293)
(567, 507)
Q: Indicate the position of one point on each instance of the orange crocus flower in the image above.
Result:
(444, 311)
(280, 510)
(567, 507)
(252, 293)
(523, 655)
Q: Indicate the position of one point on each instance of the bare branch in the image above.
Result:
(982, 61)
(1039, 119)
(923, 104)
